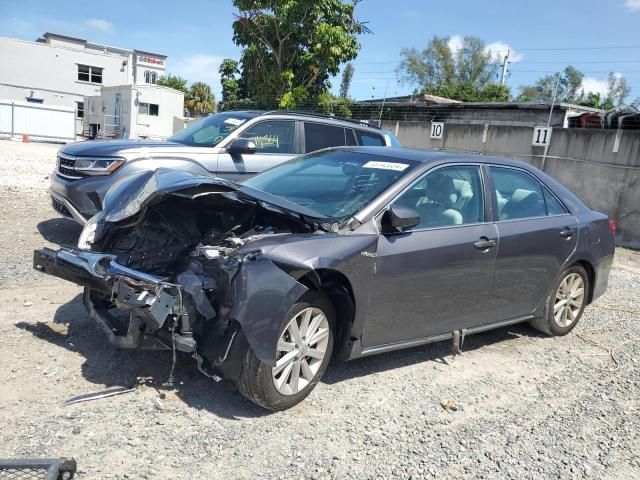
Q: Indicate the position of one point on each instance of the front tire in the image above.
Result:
(303, 352)
(565, 303)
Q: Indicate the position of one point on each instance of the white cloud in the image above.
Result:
(497, 49)
(594, 85)
(500, 49)
(632, 5)
(455, 43)
(99, 24)
(198, 68)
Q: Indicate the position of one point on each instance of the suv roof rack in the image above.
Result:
(323, 115)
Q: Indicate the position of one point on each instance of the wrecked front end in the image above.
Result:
(171, 264)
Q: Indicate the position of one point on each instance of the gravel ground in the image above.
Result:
(526, 406)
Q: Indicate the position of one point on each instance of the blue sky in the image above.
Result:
(197, 34)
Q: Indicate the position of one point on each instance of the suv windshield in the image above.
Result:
(209, 131)
(334, 183)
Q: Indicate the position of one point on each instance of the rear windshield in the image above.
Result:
(334, 183)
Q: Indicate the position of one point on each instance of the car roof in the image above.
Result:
(430, 156)
(345, 122)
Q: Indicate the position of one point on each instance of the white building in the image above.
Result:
(134, 111)
(61, 71)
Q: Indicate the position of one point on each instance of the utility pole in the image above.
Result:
(553, 102)
(384, 99)
(505, 65)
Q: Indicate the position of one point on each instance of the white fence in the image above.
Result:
(40, 122)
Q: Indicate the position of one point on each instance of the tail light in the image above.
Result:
(612, 227)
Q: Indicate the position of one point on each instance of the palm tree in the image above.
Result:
(200, 99)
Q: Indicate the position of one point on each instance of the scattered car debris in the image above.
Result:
(98, 395)
(449, 406)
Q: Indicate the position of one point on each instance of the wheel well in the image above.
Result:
(337, 288)
(591, 275)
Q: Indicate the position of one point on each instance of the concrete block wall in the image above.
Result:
(600, 166)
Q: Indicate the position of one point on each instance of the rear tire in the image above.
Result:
(565, 303)
(298, 366)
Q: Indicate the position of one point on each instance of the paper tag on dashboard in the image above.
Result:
(234, 121)
(399, 167)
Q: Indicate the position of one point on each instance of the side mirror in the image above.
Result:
(397, 219)
(241, 146)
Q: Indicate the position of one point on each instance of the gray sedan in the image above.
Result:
(345, 252)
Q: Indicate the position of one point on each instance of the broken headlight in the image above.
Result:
(97, 166)
(88, 235)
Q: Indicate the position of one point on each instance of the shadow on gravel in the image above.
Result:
(106, 366)
(61, 231)
(439, 352)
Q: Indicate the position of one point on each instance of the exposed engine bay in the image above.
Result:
(181, 273)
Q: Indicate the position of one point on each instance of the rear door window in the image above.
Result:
(367, 139)
(318, 136)
(518, 194)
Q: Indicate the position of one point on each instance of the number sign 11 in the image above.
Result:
(541, 136)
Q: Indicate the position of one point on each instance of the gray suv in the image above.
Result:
(233, 145)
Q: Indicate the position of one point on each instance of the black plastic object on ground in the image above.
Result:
(37, 469)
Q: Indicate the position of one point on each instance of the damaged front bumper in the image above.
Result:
(150, 299)
(213, 311)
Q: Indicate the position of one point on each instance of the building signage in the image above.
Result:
(150, 60)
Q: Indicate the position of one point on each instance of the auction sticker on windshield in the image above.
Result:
(399, 167)
(234, 121)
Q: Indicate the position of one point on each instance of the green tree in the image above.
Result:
(229, 73)
(334, 105)
(347, 75)
(465, 74)
(200, 99)
(173, 81)
(595, 100)
(617, 89)
(292, 47)
(571, 90)
(569, 87)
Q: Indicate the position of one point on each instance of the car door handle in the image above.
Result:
(566, 232)
(484, 243)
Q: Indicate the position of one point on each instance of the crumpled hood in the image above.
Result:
(136, 192)
(110, 148)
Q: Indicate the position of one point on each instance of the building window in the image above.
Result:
(150, 77)
(87, 73)
(148, 109)
(79, 109)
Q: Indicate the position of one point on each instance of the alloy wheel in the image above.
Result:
(569, 300)
(301, 350)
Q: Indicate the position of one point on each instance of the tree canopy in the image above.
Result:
(173, 81)
(345, 84)
(292, 47)
(466, 73)
(200, 99)
(571, 90)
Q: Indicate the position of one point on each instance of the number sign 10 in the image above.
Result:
(437, 129)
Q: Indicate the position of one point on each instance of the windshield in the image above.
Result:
(334, 183)
(209, 131)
